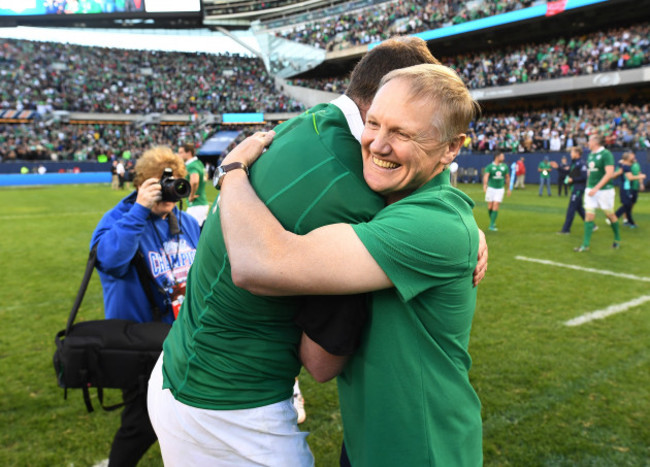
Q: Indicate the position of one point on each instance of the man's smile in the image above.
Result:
(384, 164)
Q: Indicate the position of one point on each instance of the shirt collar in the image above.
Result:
(351, 113)
(189, 161)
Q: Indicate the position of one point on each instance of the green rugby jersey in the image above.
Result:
(230, 349)
(497, 177)
(596, 163)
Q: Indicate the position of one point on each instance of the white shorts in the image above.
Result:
(494, 194)
(200, 213)
(603, 199)
(262, 436)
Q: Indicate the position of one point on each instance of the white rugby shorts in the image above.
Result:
(267, 435)
(494, 194)
(603, 199)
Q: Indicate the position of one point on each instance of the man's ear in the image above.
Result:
(453, 149)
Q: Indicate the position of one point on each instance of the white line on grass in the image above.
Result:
(610, 310)
(580, 268)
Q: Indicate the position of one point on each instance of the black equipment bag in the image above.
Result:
(108, 353)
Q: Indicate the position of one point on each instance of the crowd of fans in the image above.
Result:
(379, 22)
(244, 6)
(103, 80)
(625, 126)
(95, 79)
(61, 141)
(614, 49)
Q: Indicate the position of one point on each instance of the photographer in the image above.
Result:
(146, 221)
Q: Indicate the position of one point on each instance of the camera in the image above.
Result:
(173, 189)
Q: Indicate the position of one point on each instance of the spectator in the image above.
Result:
(143, 223)
(544, 168)
(521, 174)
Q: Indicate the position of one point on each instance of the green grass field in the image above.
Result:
(552, 395)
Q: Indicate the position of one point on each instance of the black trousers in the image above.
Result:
(628, 198)
(575, 205)
(344, 461)
(562, 186)
(136, 434)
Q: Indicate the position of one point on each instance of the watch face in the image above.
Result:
(218, 175)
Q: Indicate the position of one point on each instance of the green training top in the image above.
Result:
(230, 349)
(497, 177)
(196, 166)
(406, 398)
(546, 169)
(596, 163)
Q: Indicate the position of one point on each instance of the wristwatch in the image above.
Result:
(222, 170)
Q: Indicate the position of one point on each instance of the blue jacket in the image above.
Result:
(120, 233)
(578, 174)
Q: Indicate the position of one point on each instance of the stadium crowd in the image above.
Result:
(379, 22)
(104, 80)
(613, 49)
(91, 79)
(96, 79)
(226, 8)
(625, 126)
(60, 141)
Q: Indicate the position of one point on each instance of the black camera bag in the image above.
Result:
(108, 353)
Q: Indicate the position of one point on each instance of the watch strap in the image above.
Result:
(222, 170)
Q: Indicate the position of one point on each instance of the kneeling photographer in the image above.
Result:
(147, 224)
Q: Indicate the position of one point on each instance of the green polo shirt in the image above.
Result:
(406, 398)
(596, 163)
(230, 349)
(546, 169)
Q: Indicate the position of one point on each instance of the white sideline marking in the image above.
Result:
(610, 310)
(580, 268)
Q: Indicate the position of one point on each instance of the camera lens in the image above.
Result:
(174, 189)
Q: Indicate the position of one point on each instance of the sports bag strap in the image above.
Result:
(146, 279)
(86, 392)
(110, 408)
(90, 266)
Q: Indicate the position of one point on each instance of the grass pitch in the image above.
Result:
(552, 394)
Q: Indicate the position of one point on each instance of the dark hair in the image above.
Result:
(188, 147)
(392, 54)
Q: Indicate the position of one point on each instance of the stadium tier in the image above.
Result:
(587, 72)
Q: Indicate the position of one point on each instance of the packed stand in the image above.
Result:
(624, 126)
(35, 141)
(382, 21)
(227, 8)
(332, 84)
(614, 49)
(105, 80)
